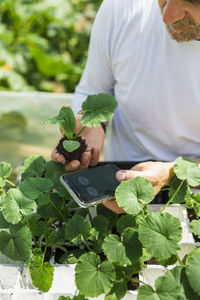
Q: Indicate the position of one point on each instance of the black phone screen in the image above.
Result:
(93, 184)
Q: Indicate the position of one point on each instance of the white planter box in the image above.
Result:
(152, 272)
(16, 284)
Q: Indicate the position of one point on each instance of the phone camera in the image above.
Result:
(92, 191)
(83, 180)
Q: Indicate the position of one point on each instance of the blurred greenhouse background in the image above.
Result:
(43, 43)
(43, 51)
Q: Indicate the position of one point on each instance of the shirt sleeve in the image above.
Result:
(97, 76)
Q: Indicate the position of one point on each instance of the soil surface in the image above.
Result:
(74, 155)
(133, 285)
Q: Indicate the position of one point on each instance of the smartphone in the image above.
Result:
(91, 186)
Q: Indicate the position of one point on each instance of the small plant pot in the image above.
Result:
(74, 155)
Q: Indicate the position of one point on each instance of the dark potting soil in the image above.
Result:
(74, 155)
(133, 285)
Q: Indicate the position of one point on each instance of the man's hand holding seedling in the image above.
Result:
(94, 138)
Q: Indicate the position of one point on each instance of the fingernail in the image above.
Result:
(121, 175)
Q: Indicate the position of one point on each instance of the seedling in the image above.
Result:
(96, 110)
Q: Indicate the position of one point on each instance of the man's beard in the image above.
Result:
(184, 30)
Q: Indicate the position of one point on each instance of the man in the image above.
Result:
(147, 54)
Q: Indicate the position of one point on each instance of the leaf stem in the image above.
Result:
(86, 243)
(11, 183)
(64, 132)
(45, 249)
(138, 280)
(79, 132)
(172, 198)
(179, 260)
(58, 210)
(60, 247)
(89, 214)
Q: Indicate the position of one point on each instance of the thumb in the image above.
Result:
(126, 174)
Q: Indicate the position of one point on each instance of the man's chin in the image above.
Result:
(183, 36)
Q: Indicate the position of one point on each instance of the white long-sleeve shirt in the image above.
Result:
(155, 80)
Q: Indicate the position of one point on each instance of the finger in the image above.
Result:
(56, 156)
(72, 165)
(142, 166)
(85, 160)
(129, 174)
(126, 174)
(112, 205)
(95, 155)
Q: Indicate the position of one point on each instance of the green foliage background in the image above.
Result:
(44, 43)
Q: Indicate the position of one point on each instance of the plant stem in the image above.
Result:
(11, 183)
(86, 243)
(60, 247)
(45, 249)
(64, 132)
(138, 280)
(58, 210)
(79, 133)
(172, 198)
(89, 214)
(143, 214)
(179, 260)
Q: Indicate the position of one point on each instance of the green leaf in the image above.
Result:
(160, 234)
(196, 203)
(195, 227)
(118, 290)
(33, 166)
(132, 194)
(181, 193)
(125, 221)
(33, 187)
(124, 251)
(36, 226)
(66, 119)
(41, 273)
(167, 287)
(193, 269)
(5, 171)
(108, 214)
(94, 278)
(56, 208)
(100, 223)
(3, 223)
(17, 244)
(53, 172)
(71, 257)
(97, 109)
(71, 146)
(15, 205)
(186, 169)
(77, 229)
